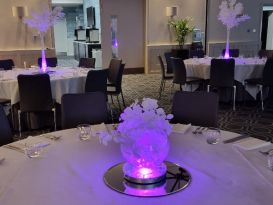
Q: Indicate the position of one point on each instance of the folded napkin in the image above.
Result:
(181, 128)
(251, 143)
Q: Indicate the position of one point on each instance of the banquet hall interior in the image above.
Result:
(66, 64)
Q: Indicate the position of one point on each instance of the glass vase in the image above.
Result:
(145, 155)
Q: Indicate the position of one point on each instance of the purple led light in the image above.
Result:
(227, 56)
(44, 65)
(157, 191)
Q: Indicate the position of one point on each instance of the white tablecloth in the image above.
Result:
(63, 80)
(244, 68)
(71, 172)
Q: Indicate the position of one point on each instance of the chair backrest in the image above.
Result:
(5, 131)
(197, 53)
(265, 53)
(179, 71)
(181, 53)
(96, 80)
(35, 93)
(222, 72)
(113, 70)
(51, 62)
(6, 64)
(87, 62)
(86, 108)
(162, 67)
(232, 53)
(198, 108)
(118, 82)
(168, 56)
(268, 72)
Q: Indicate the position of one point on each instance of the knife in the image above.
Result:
(235, 139)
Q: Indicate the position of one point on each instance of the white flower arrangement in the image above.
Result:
(44, 19)
(138, 118)
(231, 13)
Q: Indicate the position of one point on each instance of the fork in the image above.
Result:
(196, 130)
(266, 152)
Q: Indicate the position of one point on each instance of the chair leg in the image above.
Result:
(180, 86)
(208, 88)
(111, 112)
(118, 103)
(19, 123)
(55, 121)
(244, 93)
(262, 101)
(160, 89)
(123, 101)
(234, 97)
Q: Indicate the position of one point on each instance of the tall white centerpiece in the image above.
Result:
(41, 21)
(231, 15)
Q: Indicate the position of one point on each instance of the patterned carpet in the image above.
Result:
(248, 117)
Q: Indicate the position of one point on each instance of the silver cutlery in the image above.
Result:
(235, 139)
(196, 130)
(51, 137)
(266, 152)
(15, 148)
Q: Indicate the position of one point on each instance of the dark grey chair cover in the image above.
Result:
(198, 108)
(86, 108)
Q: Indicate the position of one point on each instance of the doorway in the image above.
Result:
(267, 28)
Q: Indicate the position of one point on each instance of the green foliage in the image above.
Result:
(181, 28)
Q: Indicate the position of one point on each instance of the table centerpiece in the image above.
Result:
(143, 135)
(42, 21)
(231, 15)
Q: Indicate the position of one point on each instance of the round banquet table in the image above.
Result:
(245, 68)
(71, 171)
(62, 79)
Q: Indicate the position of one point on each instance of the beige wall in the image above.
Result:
(246, 31)
(14, 34)
(158, 31)
(130, 14)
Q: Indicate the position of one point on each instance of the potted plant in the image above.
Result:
(182, 29)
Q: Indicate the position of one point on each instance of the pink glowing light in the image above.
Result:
(145, 172)
(157, 191)
(44, 65)
(227, 56)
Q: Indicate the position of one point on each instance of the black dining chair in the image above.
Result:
(232, 53)
(35, 97)
(168, 56)
(222, 75)
(96, 80)
(265, 82)
(87, 62)
(51, 62)
(265, 53)
(5, 131)
(197, 53)
(114, 85)
(198, 108)
(83, 108)
(180, 75)
(7, 64)
(164, 76)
